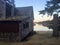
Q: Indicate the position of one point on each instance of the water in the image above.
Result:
(38, 27)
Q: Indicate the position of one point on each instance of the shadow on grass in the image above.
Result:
(29, 35)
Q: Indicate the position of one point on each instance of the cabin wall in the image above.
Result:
(13, 30)
(4, 8)
(26, 27)
(9, 30)
(26, 11)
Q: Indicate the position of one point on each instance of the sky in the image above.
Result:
(37, 6)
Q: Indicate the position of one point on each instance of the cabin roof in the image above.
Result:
(27, 11)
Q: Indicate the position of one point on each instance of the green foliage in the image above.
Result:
(51, 7)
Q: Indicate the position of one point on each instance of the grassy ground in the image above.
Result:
(40, 38)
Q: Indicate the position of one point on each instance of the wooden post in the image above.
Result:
(2, 9)
(12, 9)
(55, 25)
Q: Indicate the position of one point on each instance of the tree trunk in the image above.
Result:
(55, 25)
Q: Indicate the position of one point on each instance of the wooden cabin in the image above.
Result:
(13, 29)
(15, 23)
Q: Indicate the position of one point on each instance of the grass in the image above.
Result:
(40, 38)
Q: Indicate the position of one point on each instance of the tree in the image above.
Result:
(51, 7)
